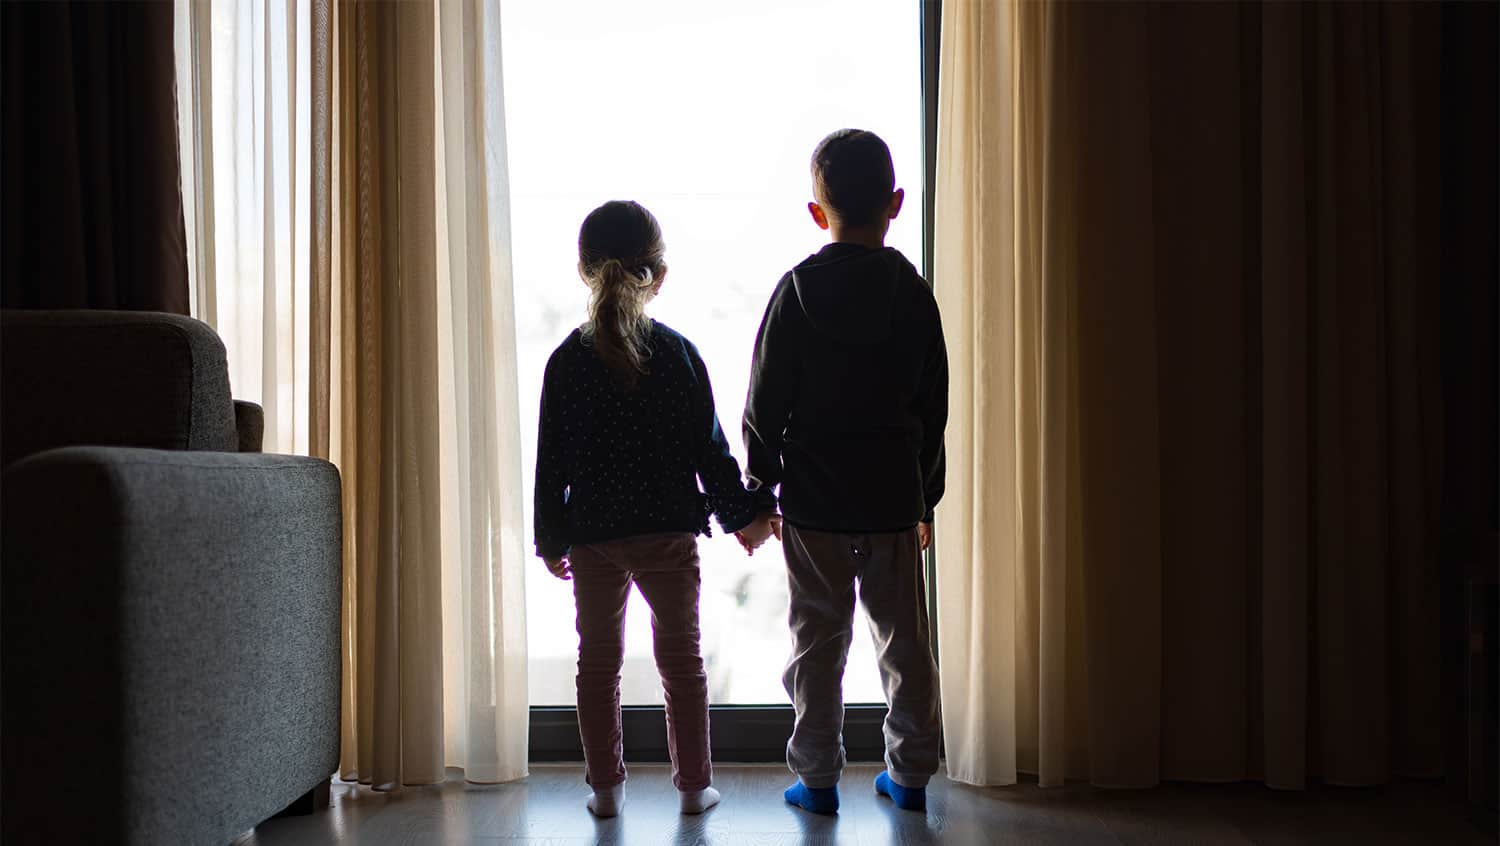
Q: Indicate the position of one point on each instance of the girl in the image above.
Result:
(627, 431)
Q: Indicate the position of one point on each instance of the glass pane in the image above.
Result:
(706, 113)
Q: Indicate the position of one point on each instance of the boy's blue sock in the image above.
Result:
(818, 800)
(906, 798)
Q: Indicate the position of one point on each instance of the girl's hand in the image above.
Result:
(559, 567)
(924, 535)
(752, 536)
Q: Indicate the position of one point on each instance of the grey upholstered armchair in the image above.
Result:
(169, 613)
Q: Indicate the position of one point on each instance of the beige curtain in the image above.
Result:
(245, 112)
(1184, 254)
(346, 193)
(425, 385)
(1008, 588)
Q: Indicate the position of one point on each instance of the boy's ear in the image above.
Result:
(818, 216)
(898, 197)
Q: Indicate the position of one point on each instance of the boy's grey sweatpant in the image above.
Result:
(823, 569)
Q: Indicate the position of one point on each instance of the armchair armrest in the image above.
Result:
(170, 650)
(249, 425)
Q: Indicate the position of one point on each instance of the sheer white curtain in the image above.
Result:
(343, 162)
(243, 82)
(484, 559)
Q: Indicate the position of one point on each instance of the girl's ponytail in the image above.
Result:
(617, 317)
(620, 257)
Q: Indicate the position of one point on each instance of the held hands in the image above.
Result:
(559, 567)
(752, 536)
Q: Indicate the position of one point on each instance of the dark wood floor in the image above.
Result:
(547, 808)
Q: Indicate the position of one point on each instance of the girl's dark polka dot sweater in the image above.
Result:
(613, 462)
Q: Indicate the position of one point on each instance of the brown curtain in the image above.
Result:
(92, 203)
(1471, 382)
(1215, 342)
(1257, 289)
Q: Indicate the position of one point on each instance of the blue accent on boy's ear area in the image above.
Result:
(817, 800)
(906, 798)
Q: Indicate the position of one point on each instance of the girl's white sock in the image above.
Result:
(607, 801)
(698, 801)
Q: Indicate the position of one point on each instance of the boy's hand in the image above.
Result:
(560, 567)
(752, 536)
(924, 536)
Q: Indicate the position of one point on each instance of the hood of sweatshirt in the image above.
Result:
(848, 291)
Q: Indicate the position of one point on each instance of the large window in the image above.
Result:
(706, 113)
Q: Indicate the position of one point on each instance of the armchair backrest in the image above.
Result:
(111, 378)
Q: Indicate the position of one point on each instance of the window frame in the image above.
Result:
(758, 733)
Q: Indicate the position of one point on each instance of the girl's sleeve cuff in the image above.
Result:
(734, 521)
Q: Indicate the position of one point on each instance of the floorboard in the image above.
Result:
(547, 809)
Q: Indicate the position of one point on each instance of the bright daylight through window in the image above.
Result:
(706, 113)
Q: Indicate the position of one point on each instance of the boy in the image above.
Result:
(848, 400)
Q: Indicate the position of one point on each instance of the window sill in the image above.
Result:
(738, 733)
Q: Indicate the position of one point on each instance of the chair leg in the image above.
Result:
(312, 801)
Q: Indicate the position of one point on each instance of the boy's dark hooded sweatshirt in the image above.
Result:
(849, 393)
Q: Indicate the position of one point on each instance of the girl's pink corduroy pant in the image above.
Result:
(665, 568)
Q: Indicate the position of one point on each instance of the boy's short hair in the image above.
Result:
(853, 175)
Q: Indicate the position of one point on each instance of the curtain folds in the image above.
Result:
(1187, 256)
(389, 451)
(243, 92)
(435, 609)
(92, 215)
(352, 230)
(1009, 600)
(484, 556)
